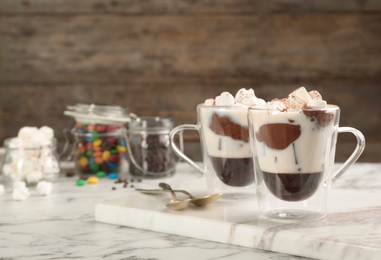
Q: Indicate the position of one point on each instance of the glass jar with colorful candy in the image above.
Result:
(99, 145)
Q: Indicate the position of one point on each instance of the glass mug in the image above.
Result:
(294, 153)
(228, 163)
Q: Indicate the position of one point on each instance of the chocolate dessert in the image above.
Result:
(278, 136)
(236, 172)
(292, 186)
(225, 127)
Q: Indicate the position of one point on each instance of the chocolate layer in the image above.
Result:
(278, 136)
(236, 172)
(292, 186)
(322, 117)
(225, 127)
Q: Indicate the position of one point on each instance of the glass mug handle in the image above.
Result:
(178, 151)
(355, 154)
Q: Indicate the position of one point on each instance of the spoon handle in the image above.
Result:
(159, 191)
(167, 187)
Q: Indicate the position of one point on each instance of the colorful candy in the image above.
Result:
(81, 182)
(92, 180)
(101, 174)
(113, 175)
(100, 147)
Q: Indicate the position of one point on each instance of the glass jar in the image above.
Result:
(149, 147)
(30, 162)
(97, 142)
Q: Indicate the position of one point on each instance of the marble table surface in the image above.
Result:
(62, 225)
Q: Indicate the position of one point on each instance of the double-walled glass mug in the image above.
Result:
(294, 153)
(227, 158)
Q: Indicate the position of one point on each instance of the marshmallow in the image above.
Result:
(209, 102)
(34, 176)
(225, 99)
(19, 185)
(20, 194)
(46, 132)
(317, 103)
(49, 165)
(247, 97)
(27, 133)
(44, 188)
(298, 98)
(277, 105)
(2, 189)
(315, 95)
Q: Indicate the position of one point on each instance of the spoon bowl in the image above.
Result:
(176, 203)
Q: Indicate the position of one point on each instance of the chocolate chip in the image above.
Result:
(70, 174)
(152, 153)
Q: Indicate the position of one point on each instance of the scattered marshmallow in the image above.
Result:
(44, 188)
(20, 193)
(225, 99)
(2, 189)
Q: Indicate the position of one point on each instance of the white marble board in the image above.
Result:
(351, 230)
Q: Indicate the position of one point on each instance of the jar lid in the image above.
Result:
(151, 124)
(93, 113)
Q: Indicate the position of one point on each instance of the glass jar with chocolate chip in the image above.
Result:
(97, 141)
(149, 147)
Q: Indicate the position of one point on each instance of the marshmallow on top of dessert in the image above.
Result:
(299, 98)
(290, 135)
(243, 97)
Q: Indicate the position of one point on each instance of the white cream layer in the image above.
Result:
(224, 146)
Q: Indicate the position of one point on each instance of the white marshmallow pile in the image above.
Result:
(299, 98)
(30, 159)
(243, 97)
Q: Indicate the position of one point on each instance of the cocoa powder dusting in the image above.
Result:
(225, 127)
(278, 136)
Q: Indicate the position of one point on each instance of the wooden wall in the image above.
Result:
(164, 57)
